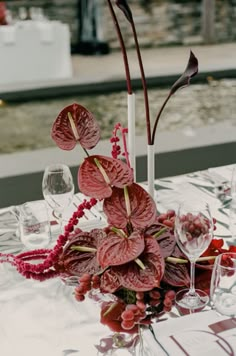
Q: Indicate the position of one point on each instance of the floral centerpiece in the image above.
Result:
(134, 259)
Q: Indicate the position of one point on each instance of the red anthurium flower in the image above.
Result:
(80, 254)
(97, 175)
(75, 124)
(139, 208)
(133, 277)
(117, 249)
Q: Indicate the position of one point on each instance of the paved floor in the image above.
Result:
(95, 72)
(157, 62)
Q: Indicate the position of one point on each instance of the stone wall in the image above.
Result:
(159, 22)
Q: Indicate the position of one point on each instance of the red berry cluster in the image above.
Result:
(86, 283)
(132, 315)
(167, 218)
(116, 149)
(159, 300)
(194, 225)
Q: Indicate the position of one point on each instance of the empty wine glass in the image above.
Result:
(223, 284)
(58, 188)
(193, 232)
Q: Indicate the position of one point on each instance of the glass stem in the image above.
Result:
(192, 277)
(60, 220)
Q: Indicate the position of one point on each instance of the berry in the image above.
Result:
(127, 315)
(127, 324)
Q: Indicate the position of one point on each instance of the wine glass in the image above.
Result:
(58, 188)
(193, 233)
(223, 284)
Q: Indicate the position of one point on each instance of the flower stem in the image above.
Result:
(158, 117)
(144, 83)
(123, 49)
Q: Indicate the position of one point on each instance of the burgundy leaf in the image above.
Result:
(132, 277)
(83, 128)
(190, 71)
(109, 282)
(124, 7)
(176, 274)
(142, 208)
(166, 240)
(203, 280)
(77, 262)
(92, 182)
(117, 250)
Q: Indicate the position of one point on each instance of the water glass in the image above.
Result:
(223, 284)
(34, 224)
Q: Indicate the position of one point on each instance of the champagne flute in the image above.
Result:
(58, 189)
(193, 233)
(223, 284)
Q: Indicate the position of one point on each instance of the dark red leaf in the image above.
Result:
(132, 277)
(117, 250)
(87, 131)
(76, 262)
(92, 182)
(166, 240)
(109, 282)
(176, 274)
(203, 280)
(142, 208)
(190, 71)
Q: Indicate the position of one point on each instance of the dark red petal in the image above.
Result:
(124, 7)
(143, 208)
(166, 240)
(86, 127)
(190, 71)
(109, 281)
(116, 250)
(176, 274)
(76, 262)
(132, 277)
(91, 181)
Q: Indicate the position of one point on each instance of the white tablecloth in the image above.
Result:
(34, 51)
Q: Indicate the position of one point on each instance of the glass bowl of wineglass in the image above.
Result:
(58, 189)
(193, 233)
(223, 284)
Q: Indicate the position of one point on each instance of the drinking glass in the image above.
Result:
(34, 225)
(193, 233)
(223, 284)
(58, 189)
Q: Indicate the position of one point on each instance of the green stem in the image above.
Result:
(160, 232)
(83, 249)
(119, 232)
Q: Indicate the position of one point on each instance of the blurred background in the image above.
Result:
(58, 52)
